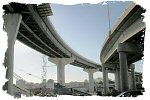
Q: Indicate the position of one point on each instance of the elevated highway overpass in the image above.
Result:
(29, 24)
(123, 46)
(37, 32)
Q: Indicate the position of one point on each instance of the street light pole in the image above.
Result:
(108, 12)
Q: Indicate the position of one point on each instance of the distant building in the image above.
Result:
(21, 83)
(81, 86)
(50, 84)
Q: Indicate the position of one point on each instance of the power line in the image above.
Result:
(28, 73)
(17, 77)
(32, 74)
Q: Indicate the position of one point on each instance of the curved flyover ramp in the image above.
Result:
(36, 31)
(124, 46)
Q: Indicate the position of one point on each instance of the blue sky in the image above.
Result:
(84, 28)
(86, 25)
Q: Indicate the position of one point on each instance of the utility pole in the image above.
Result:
(44, 90)
(44, 72)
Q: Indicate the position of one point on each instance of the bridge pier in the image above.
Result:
(133, 83)
(117, 80)
(61, 62)
(130, 81)
(123, 50)
(91, 80)
(12, 24)
(105, 79)
(123, 67)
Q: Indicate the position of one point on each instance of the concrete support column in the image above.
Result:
(130, 81)
(12, 24)
(133, 87)
(139, 79)
(105, 80)
(61, 62)
(61, 73)
(91, 80)
(136, 80)
(123, 68)
(117, 80)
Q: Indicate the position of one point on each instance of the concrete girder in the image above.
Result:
(33, 43)
(46, 30)
(23, 23)
(129, 48)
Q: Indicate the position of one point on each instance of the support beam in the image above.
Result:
(12, 24)
(132, 66)
(61, 62)
(105, 80)
(35, 44)
(123, 67)
(130, 80)
(117, 80)
(91, 80)
(43, 26)
(38, 38)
